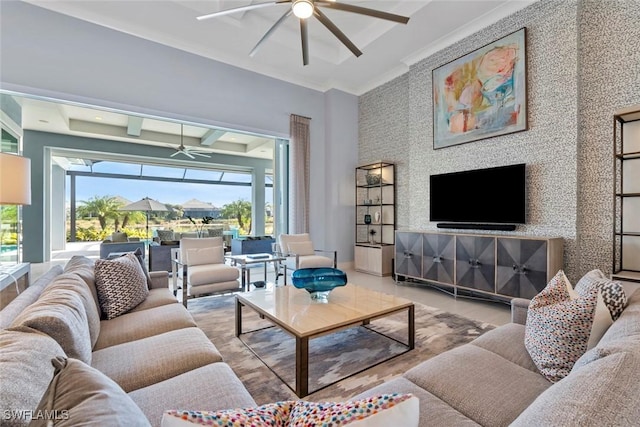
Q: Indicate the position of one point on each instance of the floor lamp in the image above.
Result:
(15, 187)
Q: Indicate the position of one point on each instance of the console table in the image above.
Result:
(497, 265)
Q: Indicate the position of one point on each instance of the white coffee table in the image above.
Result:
(293, 311)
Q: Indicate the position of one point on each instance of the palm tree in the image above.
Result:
(240, 210)
(103, 207)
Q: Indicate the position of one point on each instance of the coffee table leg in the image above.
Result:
(238, 318)
(411, 327)
(302, 366)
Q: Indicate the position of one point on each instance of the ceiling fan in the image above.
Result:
(187, 151)
(304, 9)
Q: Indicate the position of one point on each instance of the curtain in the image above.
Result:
(299, 174)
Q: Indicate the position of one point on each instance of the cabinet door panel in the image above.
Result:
(522, 267)
(409, 254)
(438, 257)
(475, 262)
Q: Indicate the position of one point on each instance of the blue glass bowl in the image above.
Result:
(318, 281)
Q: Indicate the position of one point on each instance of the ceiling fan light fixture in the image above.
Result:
(303, 9)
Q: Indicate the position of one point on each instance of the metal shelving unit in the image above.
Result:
(375, 217)
(626, 204)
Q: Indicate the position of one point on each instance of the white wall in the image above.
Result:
(47, 54)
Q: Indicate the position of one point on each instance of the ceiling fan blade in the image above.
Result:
(240, 9)
(186, 153)
(199, 154)
(363, 11)
(271, 30)
(336, 31)
(175, 154)
(304, 36)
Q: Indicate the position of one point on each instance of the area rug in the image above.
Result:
(332, 356)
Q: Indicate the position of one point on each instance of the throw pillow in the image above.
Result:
(121, 285)
(377, 411)
(83, 267)
(558, 327)
(165, 234)
(215, 232)
(612, 292)
(210, 255)
(301, 248)
(119, 237)
(81, 395)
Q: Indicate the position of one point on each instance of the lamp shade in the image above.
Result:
(15, 180)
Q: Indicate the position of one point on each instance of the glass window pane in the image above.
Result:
(203, 174)
(163, 171)
(236, 177)
(117, 168)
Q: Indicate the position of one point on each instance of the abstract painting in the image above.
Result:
(481, 94)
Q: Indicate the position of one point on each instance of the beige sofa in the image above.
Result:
(492, 381)
(154, 353)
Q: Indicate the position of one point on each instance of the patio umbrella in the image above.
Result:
(146, 205)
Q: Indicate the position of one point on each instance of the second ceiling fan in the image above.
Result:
(304, 9)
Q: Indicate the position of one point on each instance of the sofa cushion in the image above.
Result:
(374, 411)
(25, 370)
(612, 292)
(121, 285)
(140, 363)
(202, 256)
(83, 395)
(60, 313)
(211, 273)
(560, 328)
(118, 236)
(433, 411)
(478, 382)
(83, 267)
(142, 324)
(73, 283)
(507, 341)
(27, 297)
(224, 390)
(156, 298)
(603, 392)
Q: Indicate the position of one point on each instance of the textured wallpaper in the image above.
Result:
(396, 124)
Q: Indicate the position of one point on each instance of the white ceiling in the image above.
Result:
(388, 48)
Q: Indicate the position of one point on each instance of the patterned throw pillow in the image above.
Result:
(559, 327)
(377, 411)
(612, 292)
(121, 285)
(165, 235)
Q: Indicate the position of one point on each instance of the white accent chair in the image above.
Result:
(206, 271)
(300, 253)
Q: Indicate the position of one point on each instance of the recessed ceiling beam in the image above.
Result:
(211, 136)
(134, 126)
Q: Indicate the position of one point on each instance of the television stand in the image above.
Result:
(473, 226)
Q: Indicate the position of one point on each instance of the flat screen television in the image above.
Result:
(481, 196)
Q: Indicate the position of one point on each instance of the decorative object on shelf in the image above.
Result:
(377, 216)
(377, 200)
(319, 282)
(373, 179)
(367, 219)
(368, 201)
(481, 94)
(372, 233)
(200, 228)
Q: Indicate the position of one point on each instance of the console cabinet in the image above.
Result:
(507, 266)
